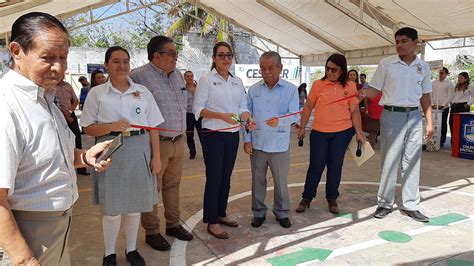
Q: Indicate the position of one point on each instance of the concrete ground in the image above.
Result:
(317, 236)
(353, 237)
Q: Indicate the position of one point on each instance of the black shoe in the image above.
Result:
(192, 156)
(415, 215)
(257, 221)
(284, 222)
(180, 233)
(381, 212)
(110, 260)
(134, 258)
(158, 242)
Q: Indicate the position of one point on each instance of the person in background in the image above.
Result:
(220, 100)
(97, 78)
(442, 89)
(129, 186)
(67, 103)
(191, 121)
(38, 186)
(336, 120)
(363, 81)
(404, 81)
(84, 91)
(167, 85)
(460, 98)
(373, 113)
(268, 145)
(353, 76)
(303, 94)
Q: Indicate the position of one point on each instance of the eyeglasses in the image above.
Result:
(224, 56)
(332, 69)
(170, 53)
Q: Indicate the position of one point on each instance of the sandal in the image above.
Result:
(222, 235)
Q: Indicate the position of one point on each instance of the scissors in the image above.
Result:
(244, 124)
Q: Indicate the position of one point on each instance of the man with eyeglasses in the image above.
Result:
(268, 146)
(442, 88)
(167, 85)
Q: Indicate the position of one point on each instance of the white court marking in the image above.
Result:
(178, 249)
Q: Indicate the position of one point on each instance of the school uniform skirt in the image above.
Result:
(127, 186)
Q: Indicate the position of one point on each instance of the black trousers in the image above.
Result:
(74, 126)
(191, 123)
(220, 152)
(444, 125)
(456, 108)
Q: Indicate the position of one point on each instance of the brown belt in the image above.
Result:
(172, 139)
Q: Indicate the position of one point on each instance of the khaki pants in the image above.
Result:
(47, 234)
(168, 180)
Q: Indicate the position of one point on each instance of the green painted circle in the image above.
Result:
(395, 236)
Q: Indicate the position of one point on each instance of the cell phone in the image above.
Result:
(114, 145)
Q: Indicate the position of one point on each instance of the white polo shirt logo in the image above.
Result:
(138, 110)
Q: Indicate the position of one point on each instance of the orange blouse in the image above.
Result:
(331, 110)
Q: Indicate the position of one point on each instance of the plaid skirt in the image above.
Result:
(128, 185)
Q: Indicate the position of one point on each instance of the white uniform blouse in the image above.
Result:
(218, 95)
(106, 104)
(461, 96)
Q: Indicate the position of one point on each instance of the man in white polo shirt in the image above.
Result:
(404, 81)
(442, 88)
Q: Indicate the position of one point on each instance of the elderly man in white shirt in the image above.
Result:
(442, 88)
(404, 81)
(37, 159)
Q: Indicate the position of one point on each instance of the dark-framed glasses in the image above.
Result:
(332, 69)
(170, 53)
(223, 56)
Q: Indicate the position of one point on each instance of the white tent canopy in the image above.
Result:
(361, 29)
(312, 29)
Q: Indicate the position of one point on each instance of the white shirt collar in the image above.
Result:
(133, 87)
(397, 59)
(215, 73)
(32, 90)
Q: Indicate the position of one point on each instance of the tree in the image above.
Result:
(132, 31)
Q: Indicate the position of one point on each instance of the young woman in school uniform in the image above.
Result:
(219, 98)
(461, 98)
(129, 187)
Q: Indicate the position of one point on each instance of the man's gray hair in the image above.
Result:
(272, 54)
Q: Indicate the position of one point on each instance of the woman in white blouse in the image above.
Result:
(219, 99)
(129, 187)
(461, 98)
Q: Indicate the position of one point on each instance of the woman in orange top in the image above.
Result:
(336, 120)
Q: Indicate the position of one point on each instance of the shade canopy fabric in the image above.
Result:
(361, 29)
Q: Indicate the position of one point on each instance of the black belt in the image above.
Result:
(128, 133)
(173, 139)
(399, 109)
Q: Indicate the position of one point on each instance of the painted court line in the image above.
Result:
(375, 242)
(178, 249)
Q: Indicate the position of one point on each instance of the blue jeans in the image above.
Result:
(326, 150)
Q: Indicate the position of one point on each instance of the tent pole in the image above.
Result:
(301, 69)
(422, 48)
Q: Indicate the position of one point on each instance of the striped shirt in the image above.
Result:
(37, 154)
(169, 92)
